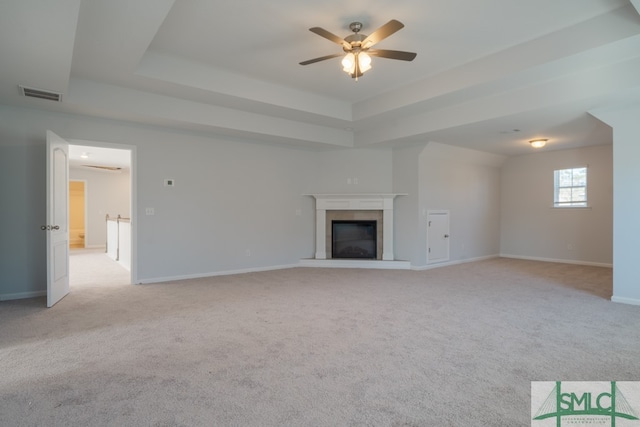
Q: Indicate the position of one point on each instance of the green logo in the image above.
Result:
(583, 403)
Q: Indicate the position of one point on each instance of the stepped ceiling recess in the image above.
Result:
(489, 74)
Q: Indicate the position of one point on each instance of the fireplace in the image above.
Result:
(360, 208)
(377, 207)
(353, 239)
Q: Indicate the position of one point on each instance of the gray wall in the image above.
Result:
(406, 172)
(467, 184)
(531, 228)
(626, 200)
(235, 204)
(105, 193)
(464, 182)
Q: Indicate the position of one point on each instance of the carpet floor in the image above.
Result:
(452, 346)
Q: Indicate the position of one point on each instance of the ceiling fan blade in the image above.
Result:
(330, 36)
(382, 33)
(322, 58)
(392, 54)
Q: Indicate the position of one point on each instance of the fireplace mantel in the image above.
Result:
(366, 201)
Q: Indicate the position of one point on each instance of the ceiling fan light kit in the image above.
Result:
(357, 47)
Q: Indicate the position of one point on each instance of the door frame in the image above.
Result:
(133, 196)
(429, 237)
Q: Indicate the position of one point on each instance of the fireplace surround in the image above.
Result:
(377, 207)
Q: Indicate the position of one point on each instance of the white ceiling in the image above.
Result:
(489, 74)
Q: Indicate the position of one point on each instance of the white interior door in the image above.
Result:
(57, 227)
(437, 236)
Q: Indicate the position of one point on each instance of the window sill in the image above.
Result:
(571, 208)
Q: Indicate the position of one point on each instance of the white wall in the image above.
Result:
(361, 170)
(626, 200)
(105, 193)
(235, 203)
(467, 184)
(234, 206)
(531, 228)
(406, 172)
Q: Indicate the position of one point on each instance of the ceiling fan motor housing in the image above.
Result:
(355, 26)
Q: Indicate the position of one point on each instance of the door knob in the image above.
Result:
(445, 236)
(55, 227)
(44, 227)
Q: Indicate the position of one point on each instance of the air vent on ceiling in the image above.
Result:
(39, 93)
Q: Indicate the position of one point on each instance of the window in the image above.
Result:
(570, 187)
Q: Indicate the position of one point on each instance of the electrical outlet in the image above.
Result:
(247, 252)
(169, 182)
(349, 181)
(150, 211)
(355, 180)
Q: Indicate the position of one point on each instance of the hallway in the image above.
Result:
(92, 267)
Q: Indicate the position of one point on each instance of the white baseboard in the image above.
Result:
(625, 300)
(23, 295)
(212, 274)
(560, 261)
(449, 263)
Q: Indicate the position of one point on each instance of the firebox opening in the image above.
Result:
(353, 239)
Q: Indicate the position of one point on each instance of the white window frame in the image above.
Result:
(572, 204)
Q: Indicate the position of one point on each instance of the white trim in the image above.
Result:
(560, 261)
(449, 263)
(213, 274)
(349, 202)
(570, 208)
(556, 188)
(625, 300)
(354, 263)
(133, 195)
(22, 295)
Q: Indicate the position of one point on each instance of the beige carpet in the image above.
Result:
(453, 346)
(93, 267)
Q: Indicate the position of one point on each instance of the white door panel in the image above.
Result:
(57, 227)
(437, 236)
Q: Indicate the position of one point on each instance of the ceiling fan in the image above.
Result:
(358, 47)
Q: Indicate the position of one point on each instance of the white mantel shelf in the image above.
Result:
(362, 201)
(367, 200)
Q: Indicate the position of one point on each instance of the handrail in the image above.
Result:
(117, 220)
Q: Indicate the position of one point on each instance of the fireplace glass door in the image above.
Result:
(353, 239)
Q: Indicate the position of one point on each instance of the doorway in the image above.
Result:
(106, 173)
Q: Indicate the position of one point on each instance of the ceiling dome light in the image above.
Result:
(538, 143)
